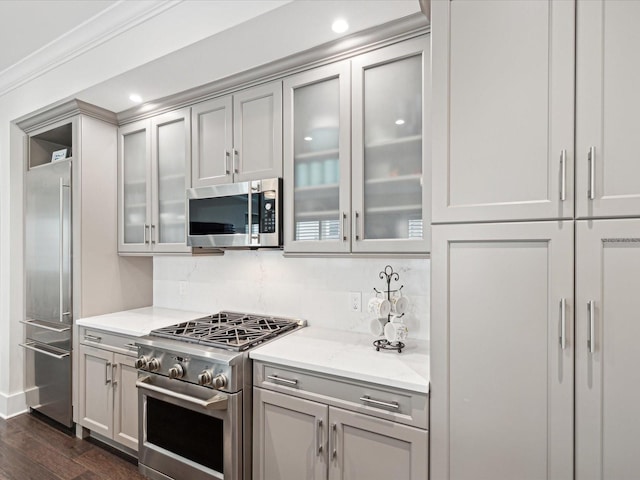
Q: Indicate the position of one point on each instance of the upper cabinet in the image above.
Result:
(238, 137)
(154, 171)
(608, 74)
(503, 109)
(374, 200)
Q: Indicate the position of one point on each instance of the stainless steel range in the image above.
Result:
(195, 395)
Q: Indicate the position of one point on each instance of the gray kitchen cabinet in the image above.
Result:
(314, 426)
(154, 171)
(503, 110)
(502, 382)
(317, 159)
(238, 137)
(108, 399)
(607, 355)
(356, 158)
(607, 99)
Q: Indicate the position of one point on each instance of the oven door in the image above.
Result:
(188, 431)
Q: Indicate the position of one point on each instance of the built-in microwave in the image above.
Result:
(240, 215)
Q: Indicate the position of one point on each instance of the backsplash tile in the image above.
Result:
(315, 289)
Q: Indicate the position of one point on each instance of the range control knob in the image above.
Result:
(205, 378)
(153, 365)
(219, 381)
(141, 362)
(176, 371)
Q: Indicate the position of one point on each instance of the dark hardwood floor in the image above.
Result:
(32, 449)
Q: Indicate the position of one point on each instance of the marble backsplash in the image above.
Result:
(315, 289)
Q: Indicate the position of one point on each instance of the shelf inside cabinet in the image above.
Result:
(394, 142)
(317, 215)
(43, 145)
(394, 209)
(317, 155)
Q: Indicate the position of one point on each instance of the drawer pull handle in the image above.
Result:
(372, 401)
(92, 338)
(131, 345)
(275, 378)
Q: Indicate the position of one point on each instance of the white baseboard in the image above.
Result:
(12, 405)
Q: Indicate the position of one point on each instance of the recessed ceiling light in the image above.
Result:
(308, 139)
(399, 121)
(134, 97)
(340, 25)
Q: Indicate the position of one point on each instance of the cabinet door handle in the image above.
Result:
(591, 340)
(114, 371)
(107, 366)
(319, 436)
(591, 158)
(368, 399)
(236, 161)
(563, 175)
(344, 226)
(276, 378)
(92, 338)
(563, 326)
(357, 225)
(146, 239)
(334, 440)
(153, 229)
(227, 162)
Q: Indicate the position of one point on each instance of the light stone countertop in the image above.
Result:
(350, 355)
(138, 322)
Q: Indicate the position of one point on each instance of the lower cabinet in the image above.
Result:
(108, 397)
(296, 438)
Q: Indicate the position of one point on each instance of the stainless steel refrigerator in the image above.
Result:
(48, 270)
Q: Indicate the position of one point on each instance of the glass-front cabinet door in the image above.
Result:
(317, 160)
(171, 154)
(134, 144)
(391, 149)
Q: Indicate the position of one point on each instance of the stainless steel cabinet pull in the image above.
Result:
(563, 326)
(591, 194)
(357, 225)
(344, 226)
(563, 175)
(372, 401)
(107, 367)
(146, 228)
(276, 378)
(92, 338)
(591, 340)
(131, 345)
(236, 161)
(153, 239)
(319, 436)
(334, 436)
(218, 402)
(227, 160)
(32, 346)
(114, 370)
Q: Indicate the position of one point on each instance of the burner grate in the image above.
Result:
(229, 330)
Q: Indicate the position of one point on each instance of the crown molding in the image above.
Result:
(61, 111)
(109, 23)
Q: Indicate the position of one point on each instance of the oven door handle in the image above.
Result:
(217, 402)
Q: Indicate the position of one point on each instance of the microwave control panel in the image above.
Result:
(268, 214)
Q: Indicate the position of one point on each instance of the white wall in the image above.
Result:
(314, 289)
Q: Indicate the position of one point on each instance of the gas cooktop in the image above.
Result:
(228, 330)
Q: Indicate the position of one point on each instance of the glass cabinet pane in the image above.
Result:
(393, 150)
(316, 114)
(135, 186)
(171, 182)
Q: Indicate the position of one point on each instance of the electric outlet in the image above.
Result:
(355, 301)
(182, 288)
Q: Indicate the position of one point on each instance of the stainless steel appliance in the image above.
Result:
(49, 314)
(195, 396)
(240, 215)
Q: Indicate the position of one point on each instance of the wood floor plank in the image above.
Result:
(64, 443)
(16, 465)
(108, 465)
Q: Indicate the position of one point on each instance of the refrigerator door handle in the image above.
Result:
(61, 265)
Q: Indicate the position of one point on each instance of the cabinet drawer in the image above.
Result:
(108, 341)
(395, 404)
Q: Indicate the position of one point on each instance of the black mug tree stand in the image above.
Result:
(388, 275)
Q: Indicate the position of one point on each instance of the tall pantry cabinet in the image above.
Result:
(520, 349)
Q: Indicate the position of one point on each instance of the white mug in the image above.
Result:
(376, 326)
(379, 307)
(399, 304)
(395, 332)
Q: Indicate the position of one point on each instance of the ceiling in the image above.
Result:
(162, 47)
